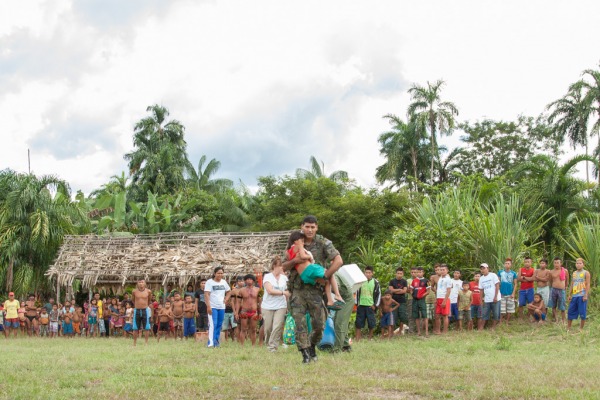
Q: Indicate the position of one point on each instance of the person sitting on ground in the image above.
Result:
(537, 309)
(387, 307)
(312, 273)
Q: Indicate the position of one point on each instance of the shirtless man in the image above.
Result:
(31, 314)
(177, 307)
(543, 278)
(248, 309)
(141, 312)
(234, 302)
(560, 281)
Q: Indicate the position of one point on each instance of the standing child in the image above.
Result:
(165, 316)
(44, 321)
(580, 288)
(456, 288)
(464, 306)
(476, 309)
(93, 318)
(2, 321)
(77, 318)
(537, 309)
(54, 317)
(420, 289)
(189, 311)
(67, 318)
(128, 318)
(387, 308)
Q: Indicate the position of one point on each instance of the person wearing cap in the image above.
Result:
(11, 307)
(490, 287)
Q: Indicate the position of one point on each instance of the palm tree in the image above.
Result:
(201, 179)
(158, 162)
(318, 171)
(406, 152)
(428, 108)
(546, 183)
(35, 214)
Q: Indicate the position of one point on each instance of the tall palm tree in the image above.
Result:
(406, 151)
(428, 108)
(201, 179)
(35, 214)
(158, 162)
(545, 182)
(318, 171)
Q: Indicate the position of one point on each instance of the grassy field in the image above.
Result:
(520, 362)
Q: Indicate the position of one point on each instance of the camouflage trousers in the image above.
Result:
(308, 299)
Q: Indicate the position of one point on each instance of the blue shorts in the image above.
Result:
(141, 319)
(387, 319)
(12, 323)
(127, 327)
(539, 317)
(491, 308)
(525, 297)
(454, 312)
(365, 313)
(67, 328)
(189, 326)
(1, 328)
(476, 311)
(577, 308)
(311, 273)
(558, 299)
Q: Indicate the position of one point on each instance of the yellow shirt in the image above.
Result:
(99, 308)
(11, 308)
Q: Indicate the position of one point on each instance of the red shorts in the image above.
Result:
(442, 310)
(249, 314)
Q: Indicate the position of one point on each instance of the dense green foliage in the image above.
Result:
(503, 192)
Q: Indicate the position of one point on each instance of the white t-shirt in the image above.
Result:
(442, 286)
(488, 284)
(456, 287)
(217, 293)
(271, 302)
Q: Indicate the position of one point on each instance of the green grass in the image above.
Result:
(520, 362)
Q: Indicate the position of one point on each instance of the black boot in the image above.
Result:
(312, 352)
(305, 356)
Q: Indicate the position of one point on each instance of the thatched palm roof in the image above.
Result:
(163, 258)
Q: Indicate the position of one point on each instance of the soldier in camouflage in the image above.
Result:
(308, 298)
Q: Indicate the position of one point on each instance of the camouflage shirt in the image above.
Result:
(323, 252)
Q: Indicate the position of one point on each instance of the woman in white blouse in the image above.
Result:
(274, 304)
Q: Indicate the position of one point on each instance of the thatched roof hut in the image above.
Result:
(166, 258)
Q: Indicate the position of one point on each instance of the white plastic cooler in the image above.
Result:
(352, 276)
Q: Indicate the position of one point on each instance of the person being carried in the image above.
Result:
(311, 273)
(387, 307)
(537, 309)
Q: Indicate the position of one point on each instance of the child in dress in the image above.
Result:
(93, 318)
(128, 319)
(312, 273)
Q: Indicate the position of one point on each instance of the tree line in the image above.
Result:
(503, 193)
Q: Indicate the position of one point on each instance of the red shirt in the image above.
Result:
(528, 273)
(476, 298)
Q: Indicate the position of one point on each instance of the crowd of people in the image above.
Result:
(306, 281)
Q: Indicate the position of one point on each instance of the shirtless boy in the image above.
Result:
(165, 316)
(387, 308)
(248, 310)
(31, 314)
(560, 281)
(178, 314)
(77, 318)
(141, 312)
(189, 312)
(231, 321)
(543, 279)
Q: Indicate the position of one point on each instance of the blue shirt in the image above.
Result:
(506, 282)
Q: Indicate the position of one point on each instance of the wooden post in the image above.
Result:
(57, 292)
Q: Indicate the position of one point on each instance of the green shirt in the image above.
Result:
(366, 293)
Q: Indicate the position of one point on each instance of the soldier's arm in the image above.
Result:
(335, 265)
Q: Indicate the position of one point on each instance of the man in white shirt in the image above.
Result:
(489, 284)
(442, 305)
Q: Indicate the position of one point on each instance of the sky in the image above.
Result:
(264, 85)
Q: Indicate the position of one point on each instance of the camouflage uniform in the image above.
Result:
(309, 298)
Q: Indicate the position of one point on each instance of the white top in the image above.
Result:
(276, 302)
(488, 284)
(217, 293)
(456, 287)
(442, 286)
